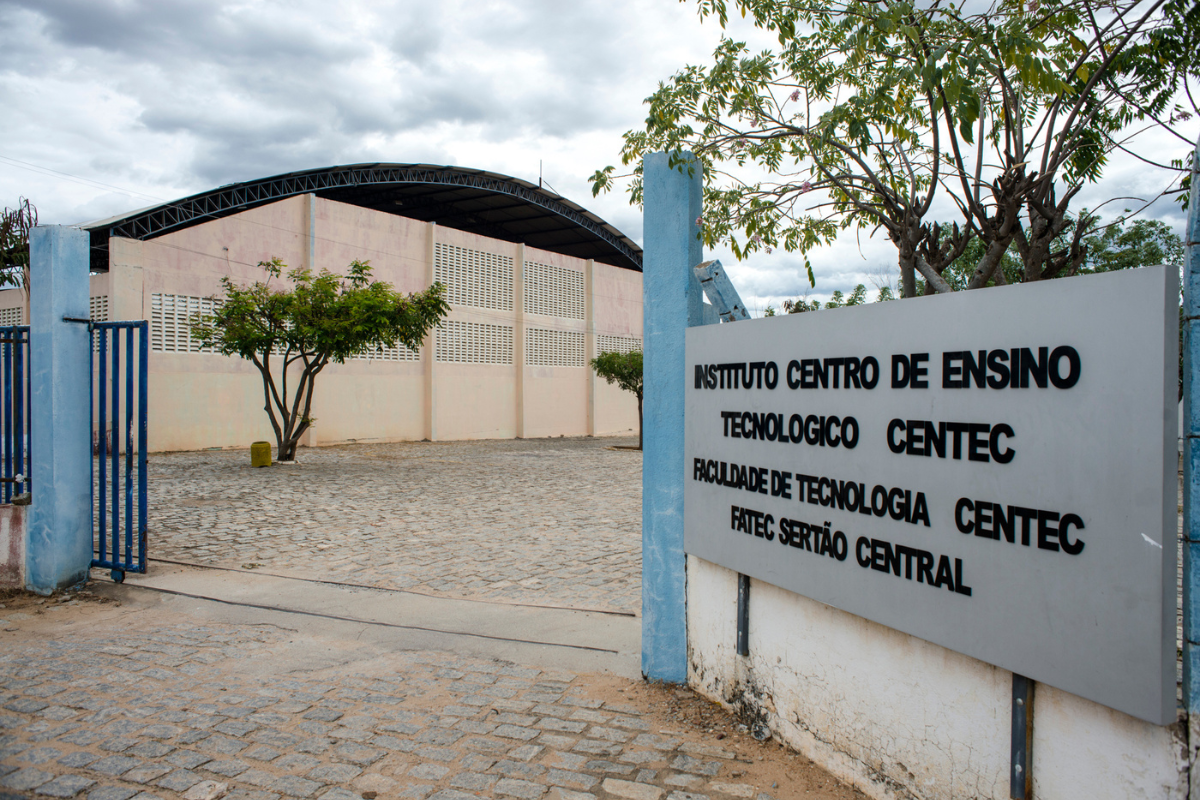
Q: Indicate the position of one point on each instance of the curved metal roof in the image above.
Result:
(469, 200)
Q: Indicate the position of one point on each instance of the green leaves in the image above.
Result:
(876, 108)
(321, 318)
(623, 369)
(15, 225)
(309, 323)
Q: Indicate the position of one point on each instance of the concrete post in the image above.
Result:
(429, 349)
(1191, 447)
(59, 552)
(519, 334)
(672, 300)
(589, 342)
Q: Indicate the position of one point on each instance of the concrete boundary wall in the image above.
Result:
(203, 400)
(899, 717)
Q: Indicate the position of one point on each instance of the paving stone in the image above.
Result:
(256, 777)
(322, 714)
(515, 732)
(40, 755)
(111, 793)
(118, 744)
(429, 772)
(338, 793)
(228, 768)
(460, 711)
(180, 780)
(115, 765)
(25, 705)
(222, 745)
(477, 763)
(187, 759)
(295, 786)
(274, 738)
(571, 779)
(334, 773)
(316, 744)
(260, 752)
(82, 737)
(146, 773)
(80, 758)
(206, 790)
(419, 791)
(519, 788)
(160, 731)
(526, 752)
(565, 726)
(584, 702)
(609, 734)
(149, 750)
(597, 747)
(683, 780)
(475, 781)
(655, 741)
(564, 760)
(631, 790)
(296, 762)
(517, 769)
(509, 718)
(374, 782)
(735, 789)
(643, 756)
(688, 764)
(357, 753)
(453, 794)
(25, 779)
(557, 741)
(559, 793)
(686, 796)
(439, 736)
(236, 727)
(600, 765)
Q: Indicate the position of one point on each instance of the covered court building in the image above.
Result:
(537, 286)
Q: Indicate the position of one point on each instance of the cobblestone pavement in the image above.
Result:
(105, 712)
(543, 521)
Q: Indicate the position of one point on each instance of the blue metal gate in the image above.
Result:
(14, 415)
(119, 357)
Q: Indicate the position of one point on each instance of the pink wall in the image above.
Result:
(200, 400)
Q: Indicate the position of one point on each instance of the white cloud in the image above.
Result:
(149, 100)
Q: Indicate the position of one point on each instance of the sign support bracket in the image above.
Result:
(1020, 773)
(720, 292)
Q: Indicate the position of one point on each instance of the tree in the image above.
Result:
(15, 225)
(1144, 243)
(868, 110)
(625, 370)
(857, 297)
(302, 328)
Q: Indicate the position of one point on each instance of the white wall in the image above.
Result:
(900, 717)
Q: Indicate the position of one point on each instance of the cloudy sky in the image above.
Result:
(111, 105)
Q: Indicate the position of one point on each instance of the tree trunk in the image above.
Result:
(639, 422)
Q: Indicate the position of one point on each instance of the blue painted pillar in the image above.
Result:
(59, 542)
(672, 301)
(1191, 446)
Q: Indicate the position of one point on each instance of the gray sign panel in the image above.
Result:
(994, 472)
